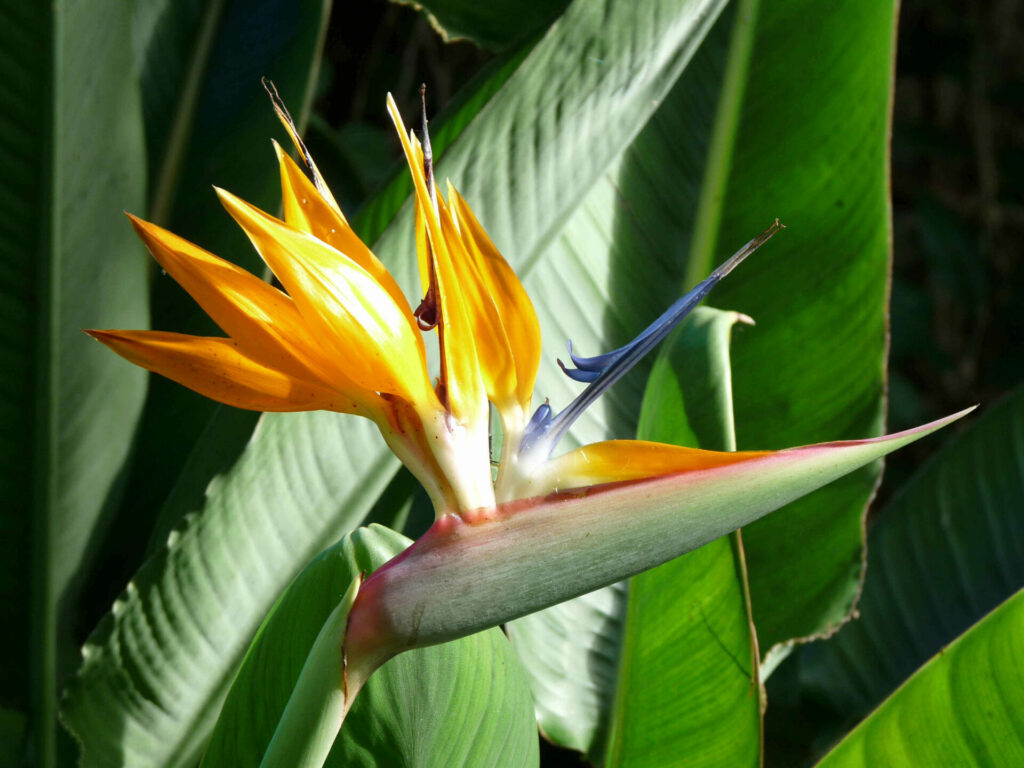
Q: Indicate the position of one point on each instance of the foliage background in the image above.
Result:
(957, 330)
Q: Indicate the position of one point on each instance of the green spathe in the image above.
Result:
(456, 579)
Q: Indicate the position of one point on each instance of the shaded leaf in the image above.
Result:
(943, 553)
(494, 25)
(208, 121)
(69, 411)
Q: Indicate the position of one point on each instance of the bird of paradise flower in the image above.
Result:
(342, 337)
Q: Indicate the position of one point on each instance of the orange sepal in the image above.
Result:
(465, 392)
(263, 320)
(614, 461)
(515, 329)
(306, 209)
(353, 317)
(216, 368)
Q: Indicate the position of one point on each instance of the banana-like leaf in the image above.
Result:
(942, 554)
(71, 148)
(460, 704)
(728, 124)
(158, 667)
(305, 479)
(964, 707)
(689, 689)
(814, 150)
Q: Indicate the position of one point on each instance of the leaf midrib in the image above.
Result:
(166, 187)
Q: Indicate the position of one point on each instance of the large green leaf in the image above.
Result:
(156, 670)
(813, 151)
(459, 704)
(654, 216)
(71, 147)
(943, 553)
(171, 44)
(689, 691)
(304, 479)
(965, 707)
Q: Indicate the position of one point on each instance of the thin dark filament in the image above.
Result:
(427, 314)
(428, 154)
(308, 166)
(551, 430)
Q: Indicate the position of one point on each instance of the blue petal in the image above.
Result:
(601, 371)
(579, 373)
(598, 363)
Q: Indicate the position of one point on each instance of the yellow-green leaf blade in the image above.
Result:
(965, 707)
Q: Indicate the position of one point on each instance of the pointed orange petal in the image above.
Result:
(351, 314)
(513, 309)
(616, 461)
(466, 395)
(216, 368)
(263, 320)
(493, 349)
(307, 210)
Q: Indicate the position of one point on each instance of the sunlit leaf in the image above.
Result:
(965, 707)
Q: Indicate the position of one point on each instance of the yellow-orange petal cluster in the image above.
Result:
(341, 335)
(490, 336)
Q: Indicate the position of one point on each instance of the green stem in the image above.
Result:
(723, 141)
